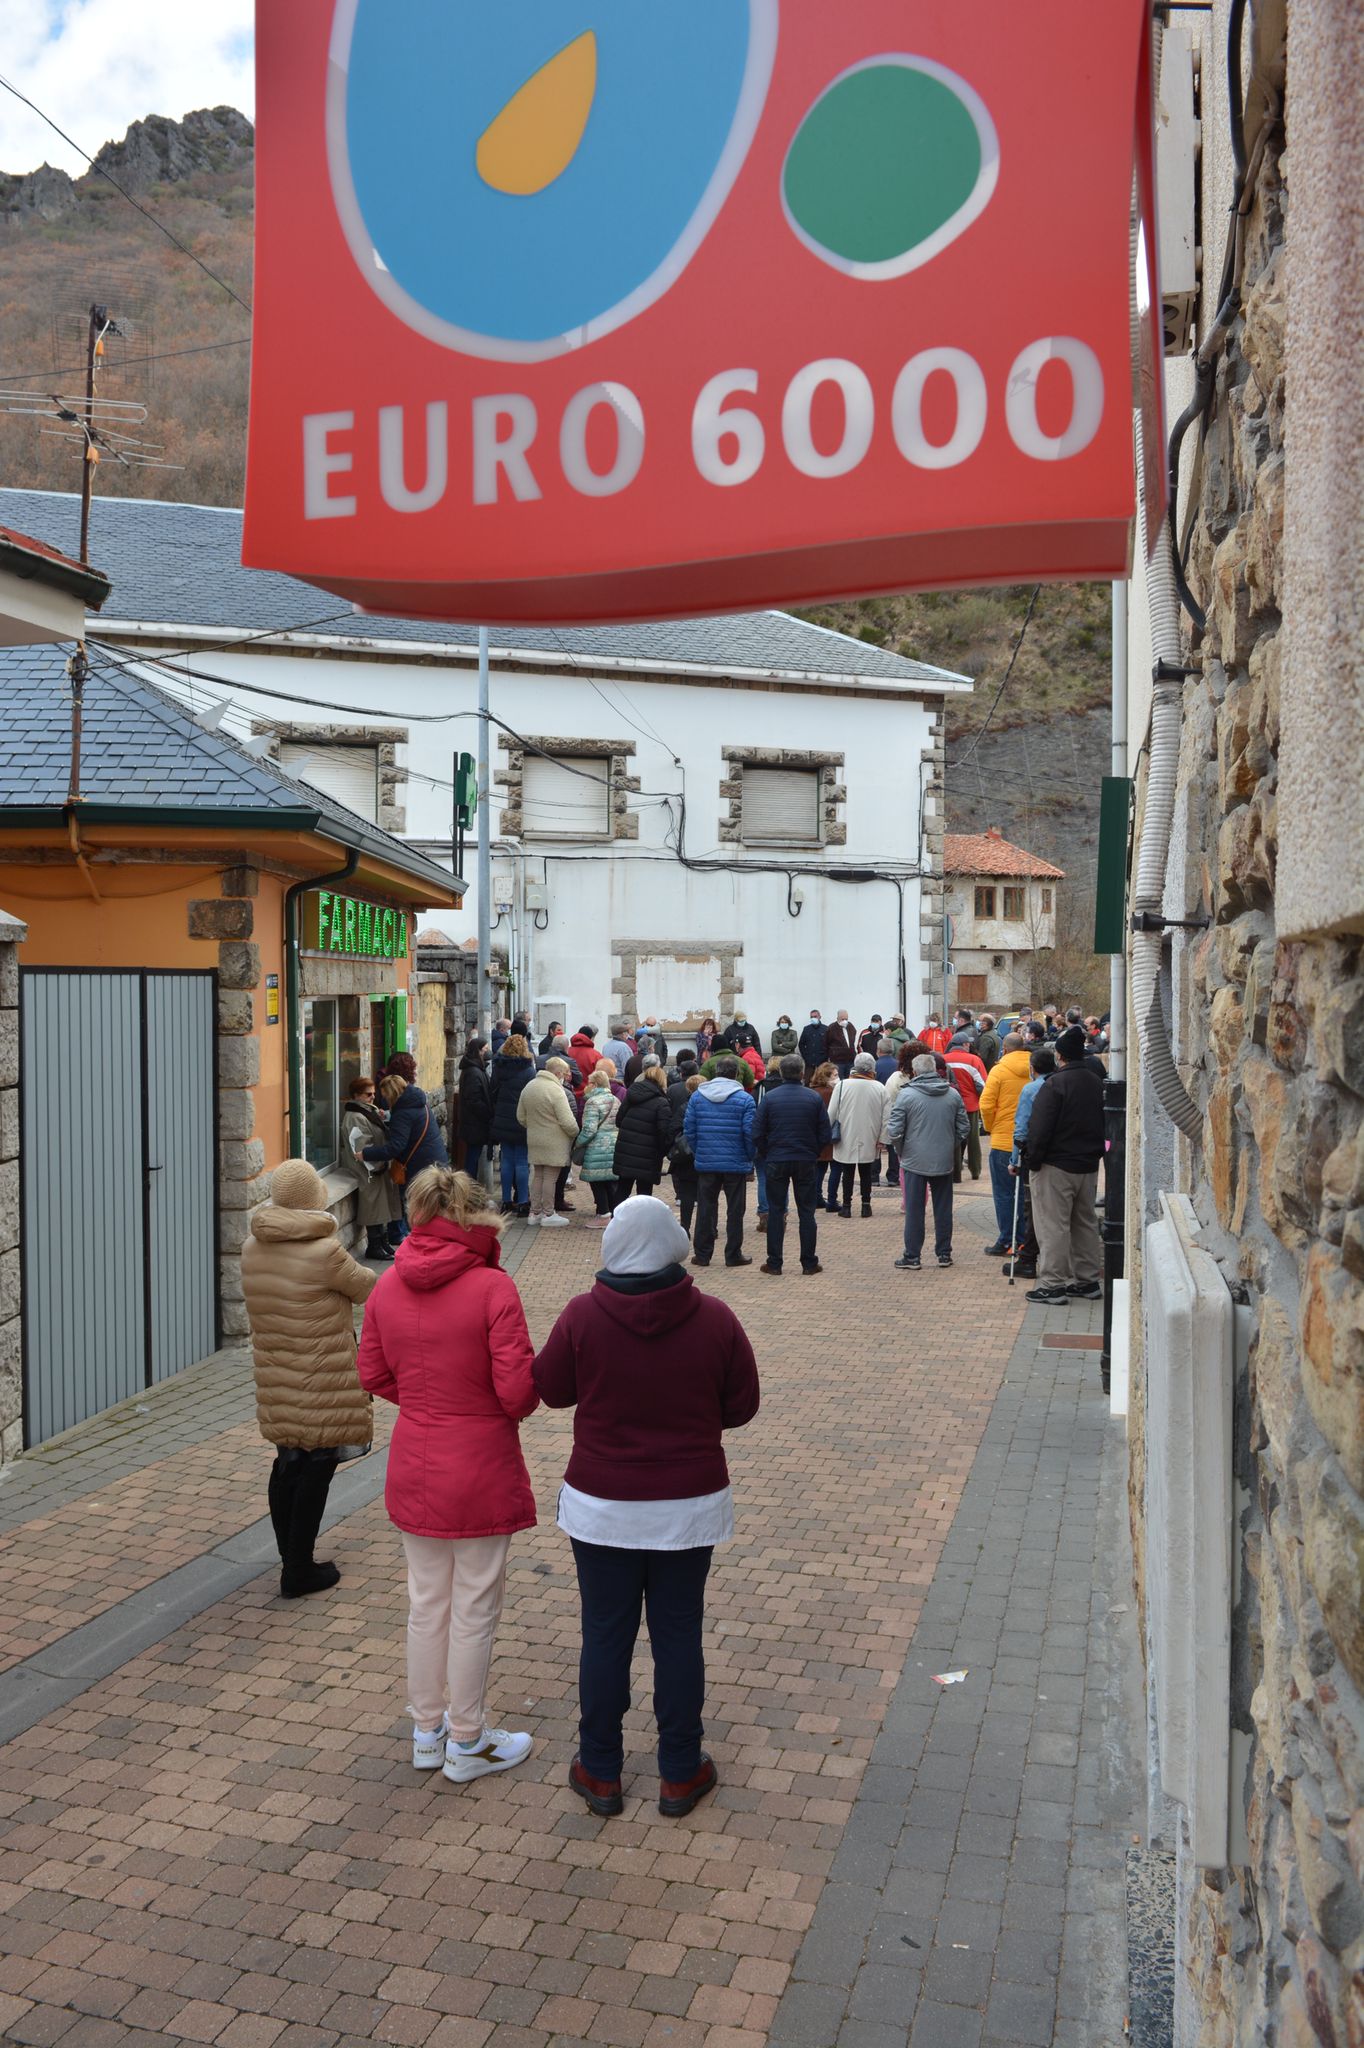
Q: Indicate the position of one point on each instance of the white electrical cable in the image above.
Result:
(1153, 853)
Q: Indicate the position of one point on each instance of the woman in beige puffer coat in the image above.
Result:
(551, 1130)
(300, 1285)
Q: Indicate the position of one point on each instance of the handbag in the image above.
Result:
(834, 1124)
(397, 1172)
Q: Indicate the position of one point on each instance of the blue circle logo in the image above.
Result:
(516, 182)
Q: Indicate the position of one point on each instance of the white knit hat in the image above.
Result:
(642, 1237)
(295, 1184)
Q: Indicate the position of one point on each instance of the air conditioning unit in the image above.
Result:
(1177, 150)
(1189, 1332)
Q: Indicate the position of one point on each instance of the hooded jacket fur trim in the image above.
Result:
(300, 1284)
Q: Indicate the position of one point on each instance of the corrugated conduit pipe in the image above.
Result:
(1153, 854)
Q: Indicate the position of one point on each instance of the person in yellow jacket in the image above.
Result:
(1008, 1077)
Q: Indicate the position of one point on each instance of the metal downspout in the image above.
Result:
(292, 1033)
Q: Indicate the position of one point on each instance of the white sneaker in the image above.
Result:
(428, 1751)
(498, 1751)
(555, 1222)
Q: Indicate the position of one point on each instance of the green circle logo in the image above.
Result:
(893, 161)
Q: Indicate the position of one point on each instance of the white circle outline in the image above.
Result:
(762, 50)
(956, 223)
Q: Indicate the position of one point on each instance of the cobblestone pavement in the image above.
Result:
(224, 1842)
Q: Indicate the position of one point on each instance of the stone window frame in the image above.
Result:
(621, 784)
(833, 794)
(626, 954)
(390, 815)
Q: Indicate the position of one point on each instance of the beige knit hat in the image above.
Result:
(296, 1185)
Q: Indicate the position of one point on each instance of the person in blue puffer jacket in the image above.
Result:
(718, 1126)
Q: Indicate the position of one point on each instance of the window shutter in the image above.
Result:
(565, 799)
(781, 805)
(350, 775)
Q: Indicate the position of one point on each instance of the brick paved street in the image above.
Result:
(222, 1841)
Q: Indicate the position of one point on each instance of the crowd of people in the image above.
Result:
(655, 1370)
(821, 1118)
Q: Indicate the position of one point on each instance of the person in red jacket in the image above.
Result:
(966, 1071)
(935, 1037)
(582, 1050)
(657, 1371)
(445, 1339)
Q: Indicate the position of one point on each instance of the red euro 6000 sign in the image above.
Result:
(591, 309)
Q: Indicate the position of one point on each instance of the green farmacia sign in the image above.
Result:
(351, 926)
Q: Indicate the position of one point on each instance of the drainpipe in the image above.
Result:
(293, 1034)
(1115, 1087)
(1153, 853)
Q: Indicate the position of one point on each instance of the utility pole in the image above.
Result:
(99, 320)
(78, 668)
(485, 849)
(1115, 1087)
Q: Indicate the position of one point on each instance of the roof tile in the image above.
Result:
(988, 853)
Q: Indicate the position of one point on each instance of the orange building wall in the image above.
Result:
(143, 921)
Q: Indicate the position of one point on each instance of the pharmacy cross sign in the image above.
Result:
(623, 310)
(351, 926)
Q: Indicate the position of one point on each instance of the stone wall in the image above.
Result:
(1269, 1031)
(453, 970)
(12, 936)
(242, 1180)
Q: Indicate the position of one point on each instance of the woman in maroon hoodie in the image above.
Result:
(658, 1371)
(445, 1338)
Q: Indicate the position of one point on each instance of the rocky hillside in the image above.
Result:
(67, 242)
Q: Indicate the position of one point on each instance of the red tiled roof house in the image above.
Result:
(1001, 900)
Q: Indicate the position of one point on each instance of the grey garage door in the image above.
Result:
(119, 1186)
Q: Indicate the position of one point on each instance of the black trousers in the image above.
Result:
(803, 1181)
(684, 1187)
(669, 1586)
(631, 1184)
(299, 1484)
(708, 1186)
(863, 1170)
(604, 1195)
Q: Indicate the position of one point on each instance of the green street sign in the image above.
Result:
(466, 789)
(353, 927)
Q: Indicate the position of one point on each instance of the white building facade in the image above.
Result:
(688, 819)
(1001, 909)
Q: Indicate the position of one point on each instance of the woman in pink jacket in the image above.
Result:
(445, 1339)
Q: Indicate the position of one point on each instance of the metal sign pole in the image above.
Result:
(485, 850)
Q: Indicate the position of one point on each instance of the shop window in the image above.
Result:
(320, 1083)
(347, 774)
(985, 902)
(780, 806)
(1015, 905)
(1046, 903)
(565, 797)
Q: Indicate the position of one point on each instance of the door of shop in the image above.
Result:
(119, 1185)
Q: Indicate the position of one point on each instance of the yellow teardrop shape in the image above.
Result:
(536, 136)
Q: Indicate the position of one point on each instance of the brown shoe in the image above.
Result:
(674, 1800)
(768, 1267)
(601, 1794)
(809, 1271)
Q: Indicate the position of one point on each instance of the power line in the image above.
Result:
(134, 362)
(101, 172)
(1032, 606)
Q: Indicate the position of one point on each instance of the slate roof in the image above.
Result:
(181, 565)
(989, 853)
(142, 751)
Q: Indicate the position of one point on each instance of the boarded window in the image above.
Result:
(1046, 903)
(678, 989)
(985, 902)
(971, 988)
(781, 806)
(1015, 905)
(565, 798)
(348, 774)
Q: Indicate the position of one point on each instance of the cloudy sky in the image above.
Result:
(96, 65)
